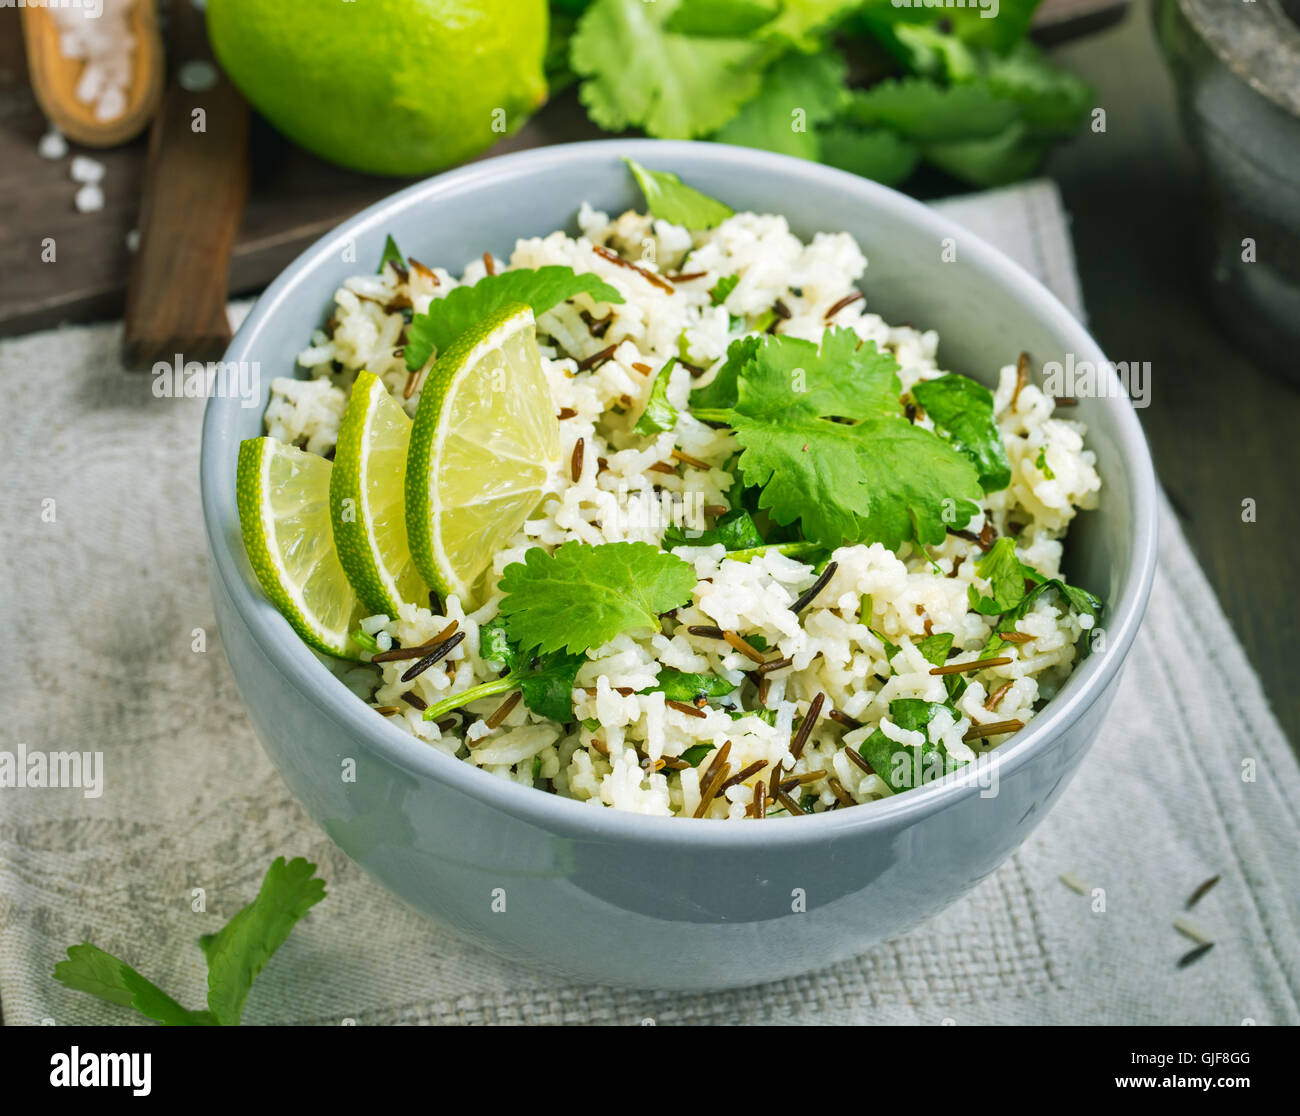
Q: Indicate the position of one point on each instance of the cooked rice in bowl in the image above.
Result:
(856, 647)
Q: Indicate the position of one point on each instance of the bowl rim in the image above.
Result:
(300, 666)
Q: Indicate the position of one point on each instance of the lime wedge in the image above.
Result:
(284, 514)
(368, 499)
(484, 444)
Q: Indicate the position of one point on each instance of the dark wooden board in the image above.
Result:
(293, 198)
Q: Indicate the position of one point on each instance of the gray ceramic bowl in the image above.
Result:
(618, 898)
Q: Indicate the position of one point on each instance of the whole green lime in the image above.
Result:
(402, 87)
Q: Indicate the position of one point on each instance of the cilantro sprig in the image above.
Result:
(962, 409)
(235, 954)
(541, 288)
(824, 439)
(558, 606)
(945, 85)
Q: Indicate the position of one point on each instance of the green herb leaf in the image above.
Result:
(972, 26)
(1006, 576)
(640, 74)
(900, 766)
(1040, 463)
(392, 255)
(548, 686)
(694, 755)
(659, 415)
(880, 479)
(962, 409)
(89, 969)
(671, 200)
(240, 950)
(918, 109)
(583, 596)
(235, 954)
(721, 392)
(723, 288)
(677, 685)
(844, 376)
(735, 531)
(1050, 99)
(874, 153)
(803, 24)
(934, 648)
(463, 307)
(721, 18)
(800, 92)
(991, 161)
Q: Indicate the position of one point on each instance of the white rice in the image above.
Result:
(617, 498)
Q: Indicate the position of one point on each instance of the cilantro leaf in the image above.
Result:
(638, 73)
(921, 110)
(238, 951)
(1049, 98)
(694, 755)
(882, 480)
(963, 410)
(844, 376)
(547, 682)
(799, 92)
(542, 288)
(668, 198)
(1040, 463)
(1005, 574)
(235, 954)
(934, 648)
(721, 391)
(678, 685)
(583, 596)
(879, 479)
(972, 26)
(735, 531)
(659, 415)
(993, 161)
(803, 23)
(914, 714)
(90, 969)
(900, 766)
(722, 18)
(722, 288)
(873, 153)
(392, 255)
(548, 687)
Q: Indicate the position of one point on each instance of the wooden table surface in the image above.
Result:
(1222, 429)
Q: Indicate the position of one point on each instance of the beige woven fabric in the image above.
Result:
(101, 608)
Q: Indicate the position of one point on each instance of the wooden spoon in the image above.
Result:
(54, 78)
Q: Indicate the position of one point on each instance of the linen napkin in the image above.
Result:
(112, 647)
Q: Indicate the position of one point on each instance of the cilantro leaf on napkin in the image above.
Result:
(668, 198)
(962, 409)
(238, 951)
(583, 596)
(541, 288)
(235, 954)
